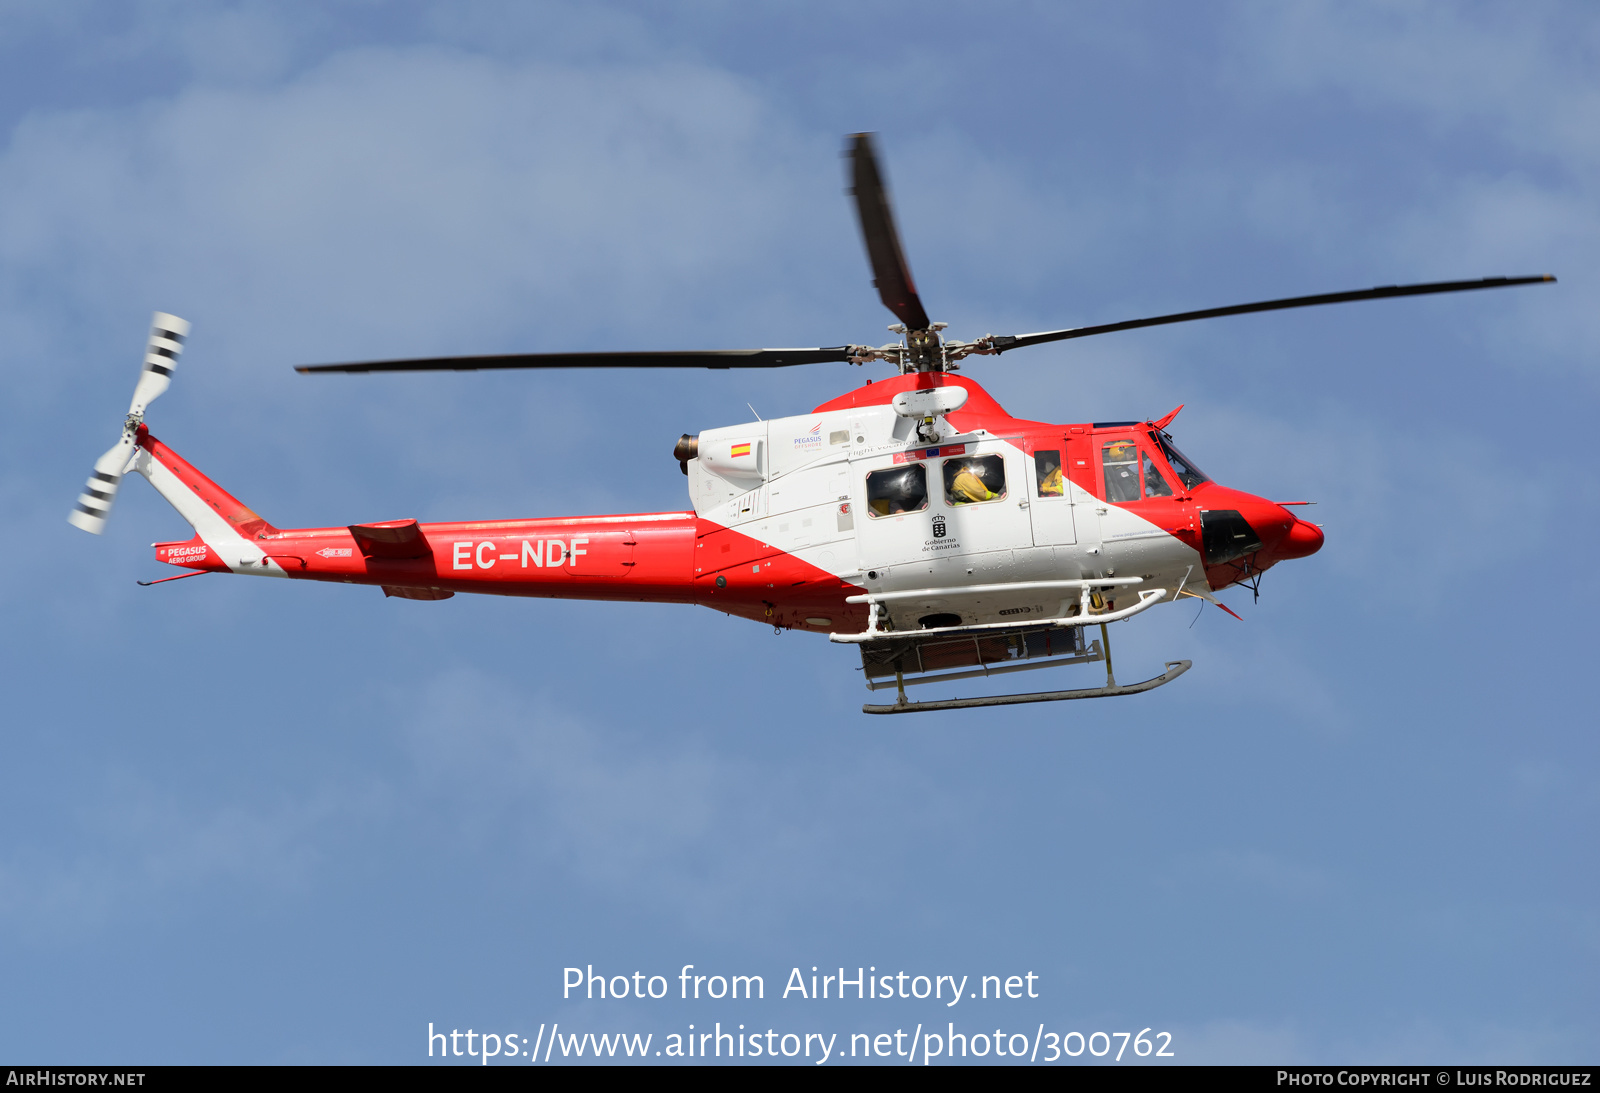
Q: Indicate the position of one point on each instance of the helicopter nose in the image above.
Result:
(1283, 535)
(1235, 523)
(1302, 541)
(1271, 523)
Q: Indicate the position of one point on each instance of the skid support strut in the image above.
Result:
(1175, 668)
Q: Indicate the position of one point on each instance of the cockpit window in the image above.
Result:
(1154, 484)
(1190, 475)
(1047, 473)
(1120, 458)
(973, 479)
(897, 490)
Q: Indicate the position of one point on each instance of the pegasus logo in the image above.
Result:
(810, 439)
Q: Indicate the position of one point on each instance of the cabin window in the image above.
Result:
(1186, 471)
(1120, 458)
(1047, 473)
(1154, 484)
(974, 479)
(897, 490)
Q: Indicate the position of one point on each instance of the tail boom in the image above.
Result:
(673, 557)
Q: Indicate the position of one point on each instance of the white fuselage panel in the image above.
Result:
(799, 484)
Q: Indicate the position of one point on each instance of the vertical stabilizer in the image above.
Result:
(223, 522)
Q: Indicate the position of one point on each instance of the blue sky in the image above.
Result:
(255, 822)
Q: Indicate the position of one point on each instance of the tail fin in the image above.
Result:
(222, 521)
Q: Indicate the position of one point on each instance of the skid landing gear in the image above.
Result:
(1112, 688)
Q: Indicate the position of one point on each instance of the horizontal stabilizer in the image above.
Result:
(416, 593)
(394, 540)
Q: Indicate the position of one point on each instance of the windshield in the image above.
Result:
(1190, 475)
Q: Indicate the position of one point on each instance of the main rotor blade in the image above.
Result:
(890, 271)
(723, 358)
(1004, 343)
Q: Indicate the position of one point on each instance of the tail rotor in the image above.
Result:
(167, 335)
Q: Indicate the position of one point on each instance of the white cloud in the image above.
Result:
(490, 771)
(1265, 1042)
(1262, 873)
(136, 848)
(1239, 1043)
(401, 196)
(1523, 76)
(708, 836)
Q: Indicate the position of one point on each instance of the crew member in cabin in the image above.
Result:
(1048, 467)
(897, 490)
(968, 488)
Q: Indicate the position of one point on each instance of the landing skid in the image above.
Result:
(1175, 668)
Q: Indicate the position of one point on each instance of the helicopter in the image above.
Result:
(913, 518)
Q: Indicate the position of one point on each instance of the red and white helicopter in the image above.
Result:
(913, 518)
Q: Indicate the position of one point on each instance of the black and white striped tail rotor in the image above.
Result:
(167, 335)
(94, 503)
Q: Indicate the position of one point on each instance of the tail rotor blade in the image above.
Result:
(94, 503)
(165, 344)
(890, 271)
(167, 335)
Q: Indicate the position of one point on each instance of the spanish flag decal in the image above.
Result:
(740, 449)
